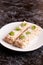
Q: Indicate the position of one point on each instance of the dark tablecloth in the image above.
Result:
(20, 10)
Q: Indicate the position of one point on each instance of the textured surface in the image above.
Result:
(19, 10)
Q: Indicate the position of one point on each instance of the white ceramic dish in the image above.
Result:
(7, 28)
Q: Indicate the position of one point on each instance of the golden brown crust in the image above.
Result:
(8, 40)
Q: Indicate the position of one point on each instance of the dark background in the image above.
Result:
(20, 10)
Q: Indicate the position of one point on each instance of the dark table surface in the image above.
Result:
(20, 10)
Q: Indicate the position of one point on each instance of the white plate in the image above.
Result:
(7, 28)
